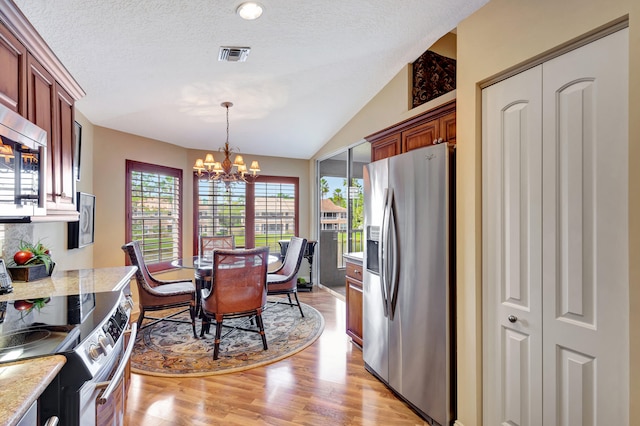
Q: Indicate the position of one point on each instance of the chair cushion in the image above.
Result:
(277, 279)
(175, 288)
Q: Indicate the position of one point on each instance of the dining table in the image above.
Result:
(203, 269)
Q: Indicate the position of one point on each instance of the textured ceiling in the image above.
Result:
(150, 68)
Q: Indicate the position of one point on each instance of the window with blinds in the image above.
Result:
(222, 212)
(258, 214)
(154, 216)
(275, 206)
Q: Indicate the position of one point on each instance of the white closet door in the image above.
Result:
(512, 181)
(585, 235)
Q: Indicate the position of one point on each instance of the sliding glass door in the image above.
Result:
(341, 215)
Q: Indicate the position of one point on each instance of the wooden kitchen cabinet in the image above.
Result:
(13, 56)
(354, 299)
(386, 147)
(51, 108)
(35, 84)
(435, 126)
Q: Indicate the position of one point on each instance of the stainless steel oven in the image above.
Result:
(92, 331)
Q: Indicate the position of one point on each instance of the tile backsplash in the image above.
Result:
(11, 235)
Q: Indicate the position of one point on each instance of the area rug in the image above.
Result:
(169, 349)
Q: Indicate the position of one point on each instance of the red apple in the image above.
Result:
(22, 257)
(22, 305)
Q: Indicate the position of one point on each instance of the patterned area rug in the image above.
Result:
(169, 349)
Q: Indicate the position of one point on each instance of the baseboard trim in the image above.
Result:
(457, 423)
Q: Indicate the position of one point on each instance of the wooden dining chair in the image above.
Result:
(158, 295)
(239, 290)
(284, 280)
(210, 243)
(207, 245)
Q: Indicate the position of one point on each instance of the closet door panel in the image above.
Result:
(512, 344)
(585, 235)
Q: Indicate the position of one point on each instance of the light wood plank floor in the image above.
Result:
(326, 384)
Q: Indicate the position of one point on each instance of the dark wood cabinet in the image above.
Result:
(51, 108)
(354, 300)
(386, 147)
(432, 127)
(13, 56)
(62, 152)
(36, 85)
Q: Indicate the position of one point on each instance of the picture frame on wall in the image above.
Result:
(82, 232)
(77, 149)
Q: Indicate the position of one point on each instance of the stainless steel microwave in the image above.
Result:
(22, 168)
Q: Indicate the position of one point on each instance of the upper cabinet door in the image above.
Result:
(386, 147)
(51, 108)
(62, 158)
(12, 72)
(40, 89)
(423, 135)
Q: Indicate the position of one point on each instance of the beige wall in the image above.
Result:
(113, 148)
(388, 107)
(499, 36)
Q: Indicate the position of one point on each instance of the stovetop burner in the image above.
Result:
(23, 338)
(49, 325)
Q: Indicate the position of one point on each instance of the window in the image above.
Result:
(154, 214)
(221, 212)
(258, 214)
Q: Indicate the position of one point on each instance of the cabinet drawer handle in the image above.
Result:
(512, 318)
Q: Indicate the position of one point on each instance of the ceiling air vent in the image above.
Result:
(233, 54)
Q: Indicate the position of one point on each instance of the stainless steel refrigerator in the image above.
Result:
(408, 340)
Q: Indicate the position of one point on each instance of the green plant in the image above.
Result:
(41, 254)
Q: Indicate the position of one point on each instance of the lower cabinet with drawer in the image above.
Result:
(354, 299)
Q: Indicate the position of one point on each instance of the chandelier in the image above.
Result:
(224, 171)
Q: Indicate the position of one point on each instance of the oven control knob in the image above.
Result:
(127, 304)
(105, 341)
(95, 351)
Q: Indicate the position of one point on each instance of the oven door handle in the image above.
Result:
(118, 375)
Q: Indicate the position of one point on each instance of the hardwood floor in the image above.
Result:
(325, 384)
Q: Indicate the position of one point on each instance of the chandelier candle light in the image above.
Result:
(213, 170)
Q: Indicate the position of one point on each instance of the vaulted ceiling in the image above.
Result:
(150, 67)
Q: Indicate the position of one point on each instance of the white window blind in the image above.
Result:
(274, 202)
(222, 212)
(155, 212)
(275, 213)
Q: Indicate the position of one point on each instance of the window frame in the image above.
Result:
(141, 167)
(250, 233)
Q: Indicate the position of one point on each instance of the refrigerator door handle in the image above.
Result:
(382, 253)
(392, 258)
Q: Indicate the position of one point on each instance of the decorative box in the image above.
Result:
(30, 272)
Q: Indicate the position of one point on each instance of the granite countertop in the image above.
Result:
(81, 281)
(22, 382)
(354, 256)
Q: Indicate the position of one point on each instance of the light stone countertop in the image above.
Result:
(355, 257)
(22, 382)
(81, 281)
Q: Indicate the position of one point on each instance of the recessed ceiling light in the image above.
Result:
(250, 10)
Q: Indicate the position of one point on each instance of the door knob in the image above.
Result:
(512, 318)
